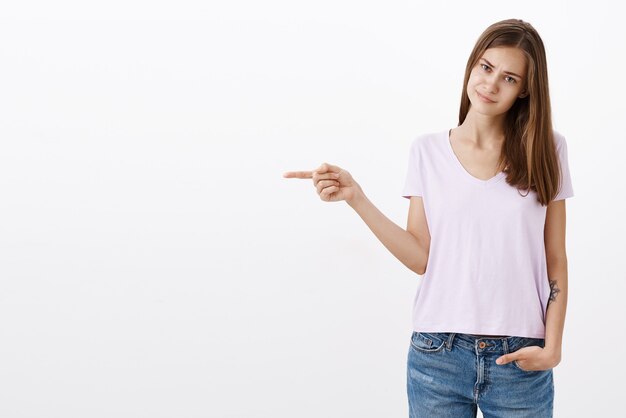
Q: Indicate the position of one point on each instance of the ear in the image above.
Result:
(524, 94)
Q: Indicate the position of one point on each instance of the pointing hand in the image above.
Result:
(331, 182)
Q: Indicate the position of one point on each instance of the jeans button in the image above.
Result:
(482, 344)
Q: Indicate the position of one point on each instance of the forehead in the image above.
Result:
(509, 58)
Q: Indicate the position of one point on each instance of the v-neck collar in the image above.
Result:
(499, 176)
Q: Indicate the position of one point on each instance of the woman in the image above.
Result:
(486, 229)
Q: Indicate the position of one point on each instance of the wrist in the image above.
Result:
(554, 353)
(357, 198)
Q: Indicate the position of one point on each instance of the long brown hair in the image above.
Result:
(529, 152)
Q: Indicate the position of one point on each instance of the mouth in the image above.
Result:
(485, 99)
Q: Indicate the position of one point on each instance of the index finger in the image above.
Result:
(298, 174)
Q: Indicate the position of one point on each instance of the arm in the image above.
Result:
(408, 247)
(556, 258)
(536, 358)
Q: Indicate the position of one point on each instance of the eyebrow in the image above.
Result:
(506, 72)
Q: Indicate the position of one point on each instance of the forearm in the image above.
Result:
(401, 243)
(557, 306)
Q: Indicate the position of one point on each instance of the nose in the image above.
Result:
(492, 85)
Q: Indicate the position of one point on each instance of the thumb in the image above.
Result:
(507, 358)
(325, 167)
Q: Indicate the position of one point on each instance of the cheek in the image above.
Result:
(514, 93)
(474, 78)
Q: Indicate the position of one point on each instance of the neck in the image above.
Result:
(486, 132)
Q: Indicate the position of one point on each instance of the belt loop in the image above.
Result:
(505, 346)
(449, 342)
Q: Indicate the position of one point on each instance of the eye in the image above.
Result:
(512, 80)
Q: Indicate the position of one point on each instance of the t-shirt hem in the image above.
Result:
(567, 196)
(461, 330)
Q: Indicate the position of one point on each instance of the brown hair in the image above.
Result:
(529, 152)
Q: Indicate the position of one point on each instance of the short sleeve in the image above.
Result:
(566, 189)
(413, 180)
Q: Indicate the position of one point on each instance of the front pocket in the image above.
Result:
(426, 343)
(518, 366)
(528, 342)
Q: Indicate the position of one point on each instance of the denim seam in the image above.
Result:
(449, 341)
(426, 350)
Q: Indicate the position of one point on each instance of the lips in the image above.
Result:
(486, 98)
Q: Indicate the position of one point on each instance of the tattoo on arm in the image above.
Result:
(553, 291)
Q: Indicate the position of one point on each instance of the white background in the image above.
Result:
(155, 263)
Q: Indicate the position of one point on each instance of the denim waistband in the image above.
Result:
(489, 344)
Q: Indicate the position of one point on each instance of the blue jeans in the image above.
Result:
(450, 375)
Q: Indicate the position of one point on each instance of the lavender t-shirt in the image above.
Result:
(486, 271)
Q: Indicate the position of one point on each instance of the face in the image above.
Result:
(497, 80)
